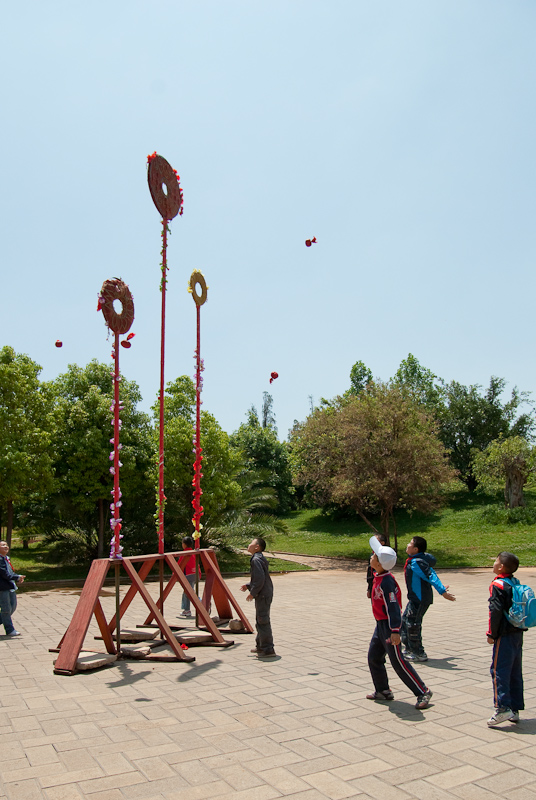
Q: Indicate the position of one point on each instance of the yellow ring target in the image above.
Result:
(198, 279)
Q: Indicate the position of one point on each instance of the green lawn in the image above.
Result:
(458, 535)
(31, 562)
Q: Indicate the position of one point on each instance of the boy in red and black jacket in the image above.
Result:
(387, 610)
(507, 641)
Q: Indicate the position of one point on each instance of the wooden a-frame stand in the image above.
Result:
(89, 604)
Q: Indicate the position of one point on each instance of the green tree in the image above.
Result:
(377, 452)
(82, 448)
(262, 451)
(221, 463)
(360, 377)
(507, 465)
(419, 381)
(25, 432)
(470, 420)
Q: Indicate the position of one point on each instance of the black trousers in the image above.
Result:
(264, 640)
(411, 630)
(380, 648)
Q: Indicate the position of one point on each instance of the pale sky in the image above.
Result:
(401, 135)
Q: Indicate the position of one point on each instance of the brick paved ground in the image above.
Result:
(229, 726)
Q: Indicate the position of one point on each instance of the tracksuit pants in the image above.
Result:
(380, 648)
(506, 672)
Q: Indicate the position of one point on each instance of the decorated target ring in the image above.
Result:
(198, 279)
(116, 289)
(160, 173)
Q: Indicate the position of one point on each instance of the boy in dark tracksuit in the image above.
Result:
(420, 577)
(507, 641)
(386, 607)
(261, 590)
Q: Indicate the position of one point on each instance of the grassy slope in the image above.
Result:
(458, 536)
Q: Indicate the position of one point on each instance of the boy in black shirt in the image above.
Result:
(261, 590)
(507, 641)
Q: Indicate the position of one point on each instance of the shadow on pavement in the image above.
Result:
(442, 663)
(195, 670)
(128, 675)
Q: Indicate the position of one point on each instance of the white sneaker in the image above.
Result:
(500, 715)
(14, 633)
(185, 614)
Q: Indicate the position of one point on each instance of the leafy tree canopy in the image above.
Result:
(264, 453)
(377, 452)
(507, 465)
(25, 431)
(82, 448)
(221, 463)
(469, 420)
(419, 381)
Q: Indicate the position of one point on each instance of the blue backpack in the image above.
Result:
(522, 613)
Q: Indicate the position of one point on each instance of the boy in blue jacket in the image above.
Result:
(9, 580)
(420, 577)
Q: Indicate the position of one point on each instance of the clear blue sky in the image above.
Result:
(401, 135)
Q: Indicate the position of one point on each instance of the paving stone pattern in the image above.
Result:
(230, 726)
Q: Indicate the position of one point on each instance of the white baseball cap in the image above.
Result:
(386, 555)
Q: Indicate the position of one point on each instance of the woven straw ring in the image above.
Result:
(116, 289)
(198, 279)
(159, 174)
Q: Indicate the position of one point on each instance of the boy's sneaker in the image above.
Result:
(423, 700)
(14, 633)
(385, 695)
(185, 614)
(420, 657)
(515, 716)
(501, 715)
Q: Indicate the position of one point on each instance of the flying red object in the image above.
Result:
(309, 242)
(58, 343)
(273, 376)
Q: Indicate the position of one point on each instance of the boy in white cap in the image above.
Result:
(387, 610)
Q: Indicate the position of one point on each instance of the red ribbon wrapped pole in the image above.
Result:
(169, 203)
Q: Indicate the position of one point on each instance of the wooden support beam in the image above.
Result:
(198, 605)
(162, 624)
(72, 642)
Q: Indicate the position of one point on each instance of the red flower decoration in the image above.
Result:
(151, 157)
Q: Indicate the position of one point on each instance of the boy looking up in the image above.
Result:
(261, 590)
(420, 577)
(386, 607)
(507, 641)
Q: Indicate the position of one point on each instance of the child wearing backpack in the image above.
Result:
(507, 641)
